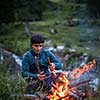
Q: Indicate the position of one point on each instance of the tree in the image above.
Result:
(75, 1)
(7, 13)
(30, 9)
(94, 7)
(21, 10)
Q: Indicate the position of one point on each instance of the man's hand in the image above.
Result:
(41, 76)
(52, 67)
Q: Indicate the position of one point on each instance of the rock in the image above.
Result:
(72, 50)
(7, 59)
(53, 31)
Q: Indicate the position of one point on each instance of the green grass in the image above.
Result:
(9, 87)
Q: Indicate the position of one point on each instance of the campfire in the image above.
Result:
(62, 89)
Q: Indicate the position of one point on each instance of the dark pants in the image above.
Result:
(36, 85)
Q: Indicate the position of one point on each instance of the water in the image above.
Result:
(18, 60)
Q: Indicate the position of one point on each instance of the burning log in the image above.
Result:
(80, 83)
(30, 97)
(77, 72)
(59, 88)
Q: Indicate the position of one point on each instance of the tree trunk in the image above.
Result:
(26, 26)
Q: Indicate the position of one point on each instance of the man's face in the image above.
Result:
(37, 47)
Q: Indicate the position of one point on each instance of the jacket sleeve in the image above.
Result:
(55, 60)
(25, 68)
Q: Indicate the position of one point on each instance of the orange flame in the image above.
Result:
(60, 88)
(77, 72)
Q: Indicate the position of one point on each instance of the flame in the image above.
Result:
(77, 72)
(61, 90)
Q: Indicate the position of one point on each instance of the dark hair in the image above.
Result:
(37, 38)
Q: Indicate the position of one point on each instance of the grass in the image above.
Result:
(12, 86)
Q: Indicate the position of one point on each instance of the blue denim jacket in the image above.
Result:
(29, 68)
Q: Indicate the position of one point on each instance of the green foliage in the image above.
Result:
(12, 44)
(30, 10)
(18, 10)
(7, 13)
(13, 39)
(10, 86)
(6, 28)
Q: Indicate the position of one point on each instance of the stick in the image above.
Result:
(37, 65)
(80, 83)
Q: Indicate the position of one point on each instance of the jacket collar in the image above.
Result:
(34, 54)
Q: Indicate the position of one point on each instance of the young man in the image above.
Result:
(35, 62)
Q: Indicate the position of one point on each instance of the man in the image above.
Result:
(35, 62)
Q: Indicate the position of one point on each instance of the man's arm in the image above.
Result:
(25, 68)
(53, 59)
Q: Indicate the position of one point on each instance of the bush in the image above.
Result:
(6, 28)
(10, 86)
